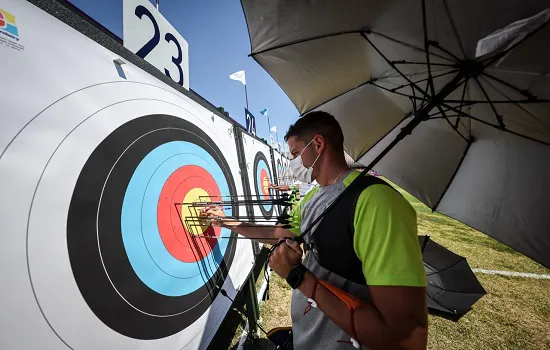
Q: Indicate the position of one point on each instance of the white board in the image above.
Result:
(282, 169)
(150, 36)
(282, 172)
(260, 174)
(92, 164)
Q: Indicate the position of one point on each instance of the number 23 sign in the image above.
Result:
(150, 36)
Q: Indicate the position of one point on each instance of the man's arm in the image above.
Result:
(386, 242)
(259, 233)
(396, 318)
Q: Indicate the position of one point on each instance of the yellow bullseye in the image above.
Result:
(265, 186)
(189, 214)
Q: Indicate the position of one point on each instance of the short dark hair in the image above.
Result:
(321, 123)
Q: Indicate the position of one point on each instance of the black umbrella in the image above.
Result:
(452, 286)
(449, 99)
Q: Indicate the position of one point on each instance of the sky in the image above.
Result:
(218, 46)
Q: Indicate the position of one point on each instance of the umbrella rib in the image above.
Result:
(424, 63)
(442, 117)
(411, 46)
(453, 26)
(433, 114)
(508, 71)
(424, 97)
(389, 90)
(496, 127)
(462, 103)
(509, 100)
(448, 267)
(454, 173)
(299, 41)
(397, 41)
(413, 100)
(437, 45)
(391, 64)
(517, 104)
(430, 78)
(371, 82)
(525, 93)
(453, 291)
(427, 47)
(451, 124)
(438, 303)
(454, 127)
(497, 116)
(384, 136)
(397, 75)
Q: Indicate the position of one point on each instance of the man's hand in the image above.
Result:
(217, 216)
(285, 257)
(279, 188)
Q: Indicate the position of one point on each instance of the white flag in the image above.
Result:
(274, 129)
(240, 76)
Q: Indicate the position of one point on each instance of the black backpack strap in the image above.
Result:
(363, 184)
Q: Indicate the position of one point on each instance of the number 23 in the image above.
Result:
(151, 44)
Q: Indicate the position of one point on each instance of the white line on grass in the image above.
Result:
(513, 273)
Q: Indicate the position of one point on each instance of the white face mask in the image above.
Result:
(299, 171)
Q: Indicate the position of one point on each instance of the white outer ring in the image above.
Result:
(58, 295)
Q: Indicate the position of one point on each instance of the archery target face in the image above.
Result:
(260, 175)
(157, 273)
(108, 262)
(280, 172)
(287, 176)
(283, 169)
(262, 179)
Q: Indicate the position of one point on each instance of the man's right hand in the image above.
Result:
(217, 216)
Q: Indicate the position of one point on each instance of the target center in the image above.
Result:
(190, 213)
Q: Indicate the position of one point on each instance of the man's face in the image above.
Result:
(296, 148)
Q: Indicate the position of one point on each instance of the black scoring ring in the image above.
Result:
(99, 194)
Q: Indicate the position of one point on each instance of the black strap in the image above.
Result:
(363, 184)
(352, 185)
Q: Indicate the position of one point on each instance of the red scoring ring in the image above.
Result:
(264, 178)
(179, 242)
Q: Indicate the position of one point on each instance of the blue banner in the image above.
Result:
(250, 122)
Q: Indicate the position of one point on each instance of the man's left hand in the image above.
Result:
(285, 257)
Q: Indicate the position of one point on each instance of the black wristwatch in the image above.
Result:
(296, 276)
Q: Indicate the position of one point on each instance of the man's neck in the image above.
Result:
(331, 171)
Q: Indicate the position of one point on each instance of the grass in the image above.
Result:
(515, 313)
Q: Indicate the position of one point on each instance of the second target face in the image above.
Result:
(262, 179)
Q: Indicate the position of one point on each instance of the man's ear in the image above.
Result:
(319, 143)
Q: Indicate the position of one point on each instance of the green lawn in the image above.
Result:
(515, 313)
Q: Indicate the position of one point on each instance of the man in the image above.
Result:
(362, 280)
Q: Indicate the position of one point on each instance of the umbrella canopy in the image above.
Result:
(450, 99)
(452, 286)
